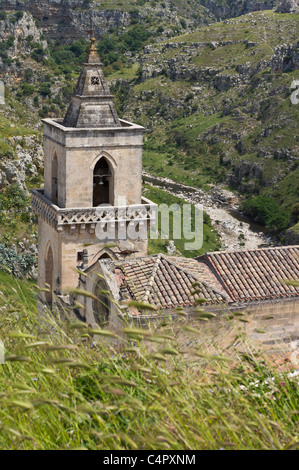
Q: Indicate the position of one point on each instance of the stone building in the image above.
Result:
(92, 185)
(92, 196)
(255, 283)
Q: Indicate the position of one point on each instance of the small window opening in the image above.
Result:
(95, 80)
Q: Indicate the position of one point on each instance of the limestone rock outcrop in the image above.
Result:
(285, 58)
(288, 6)
(227, 9)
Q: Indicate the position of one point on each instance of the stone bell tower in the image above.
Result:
(93, 175)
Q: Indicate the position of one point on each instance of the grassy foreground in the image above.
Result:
(64, 387)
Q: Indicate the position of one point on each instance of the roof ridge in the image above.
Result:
(250, 250)
(152, 278)
(254, 274)
(191, 274)
(179, 267)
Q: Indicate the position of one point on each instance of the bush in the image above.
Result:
(63, 57)
(67, 91)
(28, 75)
(18, 264)
(106, 45)
(266, 211)
(38, 53)
(13, 197)
(10, 42)
(44, 112)
(6, 151)
(36, 101)
(135, 37)
(17, 16)
(28, 89)
(45, 89)
(295, 213)
(78, 47)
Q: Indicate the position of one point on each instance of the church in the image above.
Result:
(93, 223)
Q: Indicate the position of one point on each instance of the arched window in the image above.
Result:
(101, 307)
(49, 275)
(54, 180)
(102, 183)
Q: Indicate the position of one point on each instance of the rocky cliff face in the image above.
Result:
(15, 32)
(68, 19)
(228, 9)
(285, 58)
(288, 6)
(226, 101)
(71, 19)
(26, 164)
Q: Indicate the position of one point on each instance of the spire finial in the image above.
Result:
(93, 56)
(91, 28)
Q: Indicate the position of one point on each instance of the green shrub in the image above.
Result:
(44, 111)
(6, 150)
(38, 53)
(28, 75)
(45, 89)
(266, 211)
(17, 16)
(295, 213)
(13, 197)
(10, 42)
(27, 88)
(18, 264)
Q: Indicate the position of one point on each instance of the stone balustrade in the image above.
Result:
(61, 217)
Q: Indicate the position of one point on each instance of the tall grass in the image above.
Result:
(65, 386)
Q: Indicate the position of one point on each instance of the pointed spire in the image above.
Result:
(92, 103)
(93, 56)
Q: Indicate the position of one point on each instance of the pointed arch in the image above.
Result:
(103, 182)
(108, 157)
(104, 253)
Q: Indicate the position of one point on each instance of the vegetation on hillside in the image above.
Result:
(216, 112)
(211, 241)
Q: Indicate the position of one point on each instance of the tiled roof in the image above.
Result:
(256, 275)
(163, 283)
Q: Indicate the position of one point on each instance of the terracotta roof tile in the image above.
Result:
(256, 274)
(163, 282)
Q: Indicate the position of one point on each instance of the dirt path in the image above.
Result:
(221, 205)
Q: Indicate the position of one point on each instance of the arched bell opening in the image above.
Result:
(102, 183)
(49, 266)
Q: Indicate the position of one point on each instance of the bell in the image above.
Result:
(101, 182)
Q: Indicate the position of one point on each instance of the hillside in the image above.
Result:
(217, 103)
(215, 100)
(71, 19)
